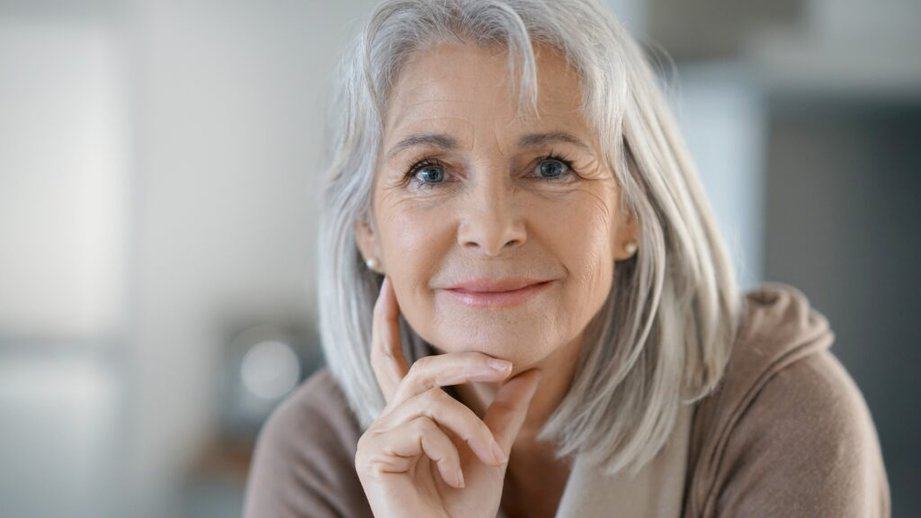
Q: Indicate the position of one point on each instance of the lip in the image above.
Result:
(486, 284)
(506, 292)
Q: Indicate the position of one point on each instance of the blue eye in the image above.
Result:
(426, 173)
(552, 168)
(431, 173)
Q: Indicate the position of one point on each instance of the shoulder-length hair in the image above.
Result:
(665, 332)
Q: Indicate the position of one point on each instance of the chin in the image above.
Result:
(516, 345)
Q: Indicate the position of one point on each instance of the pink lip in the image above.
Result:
(503, 293)
(487, 284)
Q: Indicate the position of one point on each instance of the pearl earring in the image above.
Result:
(371, 263)
(630, 247)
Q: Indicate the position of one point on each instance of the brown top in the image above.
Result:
(786, 433)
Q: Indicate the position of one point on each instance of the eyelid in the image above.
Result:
(420, 164)
(425, 162)
(428, 161)
(559, 157)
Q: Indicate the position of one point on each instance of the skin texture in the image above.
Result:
(494, 211)
(428, 454)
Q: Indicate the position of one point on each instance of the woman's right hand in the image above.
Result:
(428, 454)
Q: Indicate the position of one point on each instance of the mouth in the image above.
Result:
(497, 298)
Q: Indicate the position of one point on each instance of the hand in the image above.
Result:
(427, 454)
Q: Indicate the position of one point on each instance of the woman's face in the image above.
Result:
(465, 192)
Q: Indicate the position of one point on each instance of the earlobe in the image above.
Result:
(367, 244)
(364, 238)
(627, 239)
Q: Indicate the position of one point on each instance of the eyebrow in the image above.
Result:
(540, 139)
(418, 139)
(448, 142)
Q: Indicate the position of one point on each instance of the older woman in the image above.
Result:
(526, 306)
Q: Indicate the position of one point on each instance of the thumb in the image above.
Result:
(510, 406)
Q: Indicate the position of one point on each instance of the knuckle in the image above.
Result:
(442, 408)
(370, 436)
(433, 397)
(376, 469)
(360, 456)
(371, 453)
(372, 466)
(441, 397)
(417, 373)
(422, 364)
(363, 441)
(421, 426)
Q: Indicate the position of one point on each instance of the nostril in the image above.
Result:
(491, 235)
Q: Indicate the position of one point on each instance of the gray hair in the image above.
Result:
(664, 334)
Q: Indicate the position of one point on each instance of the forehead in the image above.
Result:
(466, 82)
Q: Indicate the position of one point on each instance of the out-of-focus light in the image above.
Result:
(270, 369)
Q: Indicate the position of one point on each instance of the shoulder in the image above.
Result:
(805, 443)
(817, 391)
(787, 430)
(303, 460)
(814, 409)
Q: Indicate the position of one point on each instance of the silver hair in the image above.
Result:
(665, 332)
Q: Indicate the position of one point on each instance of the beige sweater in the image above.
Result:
(786, 433)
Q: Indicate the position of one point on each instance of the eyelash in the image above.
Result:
(426, 162)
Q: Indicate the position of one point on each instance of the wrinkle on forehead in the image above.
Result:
(437, 85)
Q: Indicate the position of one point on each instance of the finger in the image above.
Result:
(387, 358)
(506, 414)
(396, 450)
(452, 415)
(449, 369)
(436, 445)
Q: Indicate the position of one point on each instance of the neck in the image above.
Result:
(557, 369)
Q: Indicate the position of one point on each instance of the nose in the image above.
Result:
(490, 222)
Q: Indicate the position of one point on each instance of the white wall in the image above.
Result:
(64, 181)
(229, 116)
(63, 168)
(160, 169)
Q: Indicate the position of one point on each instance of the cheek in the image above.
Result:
(406, 236)
(582, 233)
(573, 231)
(414, 243)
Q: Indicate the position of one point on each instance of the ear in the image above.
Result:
(627, 231)
(366, 240)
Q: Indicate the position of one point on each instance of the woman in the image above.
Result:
(526, 306)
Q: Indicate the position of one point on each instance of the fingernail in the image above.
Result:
(497, 453)
(460, 477)
(499, 365)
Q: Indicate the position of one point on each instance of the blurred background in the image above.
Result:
(160, 167)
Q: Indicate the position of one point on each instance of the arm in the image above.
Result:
(806, 446)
